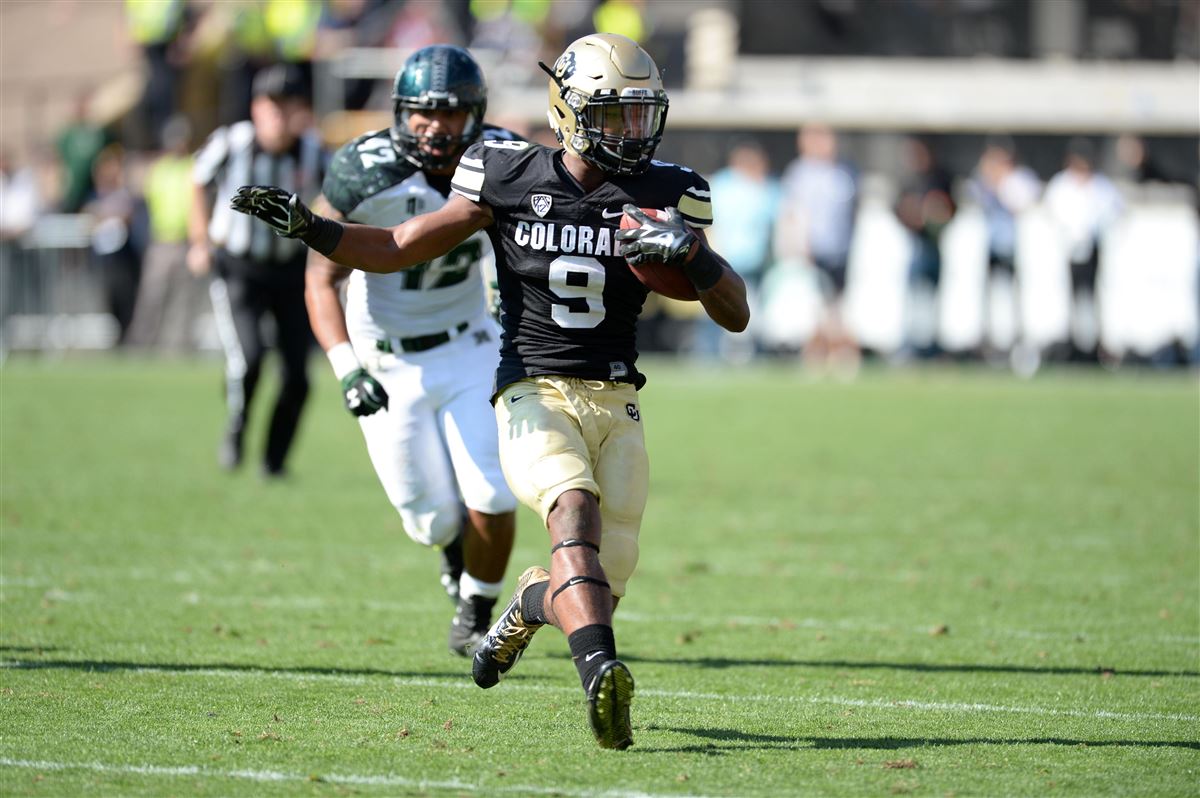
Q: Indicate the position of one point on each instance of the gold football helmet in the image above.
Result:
(607, 103)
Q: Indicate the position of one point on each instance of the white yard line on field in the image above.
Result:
(274, 776)
(875, 703)
(308, 603)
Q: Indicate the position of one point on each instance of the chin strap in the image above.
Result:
(550, 72)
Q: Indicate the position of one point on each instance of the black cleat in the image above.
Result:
(502, 646)
(452, 567)
(609, 695)
(471, 620)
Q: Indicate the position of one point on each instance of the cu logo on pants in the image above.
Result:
(632, 410)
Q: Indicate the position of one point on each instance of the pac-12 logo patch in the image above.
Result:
(541, 204)
(632, 410)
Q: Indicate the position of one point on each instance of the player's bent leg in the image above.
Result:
(580, 602)
(412, 465)
(498, 651)
(623, 474)
(442, 528)
(487, 544)
(580, 595)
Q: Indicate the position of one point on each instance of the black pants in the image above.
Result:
(1083, 294)
(243, 294)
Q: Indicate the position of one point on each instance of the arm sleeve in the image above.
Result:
(211, 157)
(469, 177)
(695, 203)
(336, 188)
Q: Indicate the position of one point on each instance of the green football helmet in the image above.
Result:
(440, 76)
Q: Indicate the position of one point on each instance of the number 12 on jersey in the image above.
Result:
(450, 269)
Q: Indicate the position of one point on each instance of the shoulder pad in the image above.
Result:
(361, 168)
(494, 133)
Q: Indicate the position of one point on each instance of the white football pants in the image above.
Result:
(435, 448)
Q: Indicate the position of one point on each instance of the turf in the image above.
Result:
(936, 583)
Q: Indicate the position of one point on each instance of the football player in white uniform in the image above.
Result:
(414, 351)
(566, 402)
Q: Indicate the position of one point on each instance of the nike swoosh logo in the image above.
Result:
(516, 399)
(592, 656)
(608, 215)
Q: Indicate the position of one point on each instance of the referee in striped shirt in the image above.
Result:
(255, 272)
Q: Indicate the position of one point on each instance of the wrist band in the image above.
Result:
(703, 270)
(323, 235)
(342, 358)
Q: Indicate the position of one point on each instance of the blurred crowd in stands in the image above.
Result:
(996, 262)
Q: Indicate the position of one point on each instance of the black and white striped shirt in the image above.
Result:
(231, 158)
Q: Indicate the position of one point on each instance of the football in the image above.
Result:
(669, 281)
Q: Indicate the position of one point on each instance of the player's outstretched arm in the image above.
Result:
(372, 249)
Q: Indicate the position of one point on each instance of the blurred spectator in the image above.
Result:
(1003, 190)
(816, 224)
(512, 30)
(350, 23)
(78, 145)
(745, 199)
(924, 206)
(155, 26)
(257, 273)
(169, 298)
(626, 17)
(419, 24)
(20, 204)
(1134, 162)
(292, 26)
(1083, 203)
(116, 242)
(240, 29)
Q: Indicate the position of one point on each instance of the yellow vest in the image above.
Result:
(153, 21)
(293, 26)
(619, 16)
(168, 192)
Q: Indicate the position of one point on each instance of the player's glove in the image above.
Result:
(363, 393)
(668, 240)
(281, 210)
(288, 216)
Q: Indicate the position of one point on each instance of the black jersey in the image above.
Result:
(568, 302)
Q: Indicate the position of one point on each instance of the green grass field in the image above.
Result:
(928, 583)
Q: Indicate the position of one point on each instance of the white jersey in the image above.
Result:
(369, 183)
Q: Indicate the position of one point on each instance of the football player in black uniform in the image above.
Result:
(571, 440)
(413, 351)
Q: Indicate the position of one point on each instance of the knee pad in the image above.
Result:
(618, 555)
(432, 527)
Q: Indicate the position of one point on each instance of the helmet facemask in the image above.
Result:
(417, 149)
(619, 132)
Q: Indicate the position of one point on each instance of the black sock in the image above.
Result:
(591, 646)
(532, 603)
